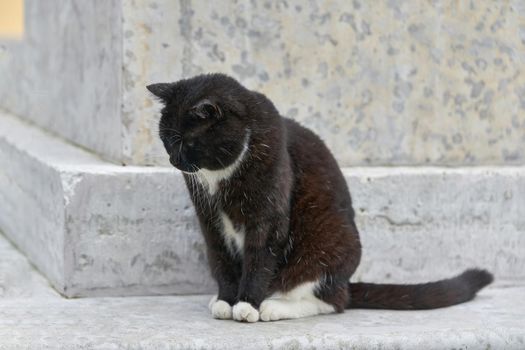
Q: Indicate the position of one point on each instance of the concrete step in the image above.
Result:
(18, 279)
(95, 228)
(36, 317)
(98, 229)
(492, 321)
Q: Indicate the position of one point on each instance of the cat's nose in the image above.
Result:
(175, 159)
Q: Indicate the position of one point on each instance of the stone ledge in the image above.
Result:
(98, 229)
(32, 315)
(94, 228)
(18, 279)
(421, 222)
(492, 321)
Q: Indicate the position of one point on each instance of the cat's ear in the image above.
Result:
(164, 91)
(207, 109)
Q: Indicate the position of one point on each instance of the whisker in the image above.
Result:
(180, 147)
(173, 140)
(220, 162)
(224, 150)
(169, 129)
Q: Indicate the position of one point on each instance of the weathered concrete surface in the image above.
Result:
(99, 229)
(31, 198)
(494, 320)
(18, 279)
(383, 82)
(32, 315)
(66, 74)
(94, 228)
(420, 223)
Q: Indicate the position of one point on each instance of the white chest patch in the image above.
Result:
(212, 178)
(233, 238)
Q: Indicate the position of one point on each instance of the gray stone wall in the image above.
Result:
(65, 75)
(383, 82)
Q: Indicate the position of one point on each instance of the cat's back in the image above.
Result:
(306, 148)
(316, 172)
(320, 196)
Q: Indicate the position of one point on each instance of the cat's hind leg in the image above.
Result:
(299, 302)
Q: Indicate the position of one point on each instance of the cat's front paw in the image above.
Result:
(220, 309)
(244, 312)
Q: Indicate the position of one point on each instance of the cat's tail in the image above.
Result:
(418, 296)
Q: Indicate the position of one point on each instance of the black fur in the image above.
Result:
(288, 195)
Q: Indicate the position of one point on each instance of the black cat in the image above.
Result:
(275, 209)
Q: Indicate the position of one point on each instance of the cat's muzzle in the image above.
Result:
(181, 164)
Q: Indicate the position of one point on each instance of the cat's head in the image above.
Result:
(204, 122)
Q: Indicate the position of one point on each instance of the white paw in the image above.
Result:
(243, 311)
(274, 310)
(212, 301)
(220, 309)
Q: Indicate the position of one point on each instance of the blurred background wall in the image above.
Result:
(383, 82)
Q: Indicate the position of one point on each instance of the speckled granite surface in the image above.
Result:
(383, 82)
